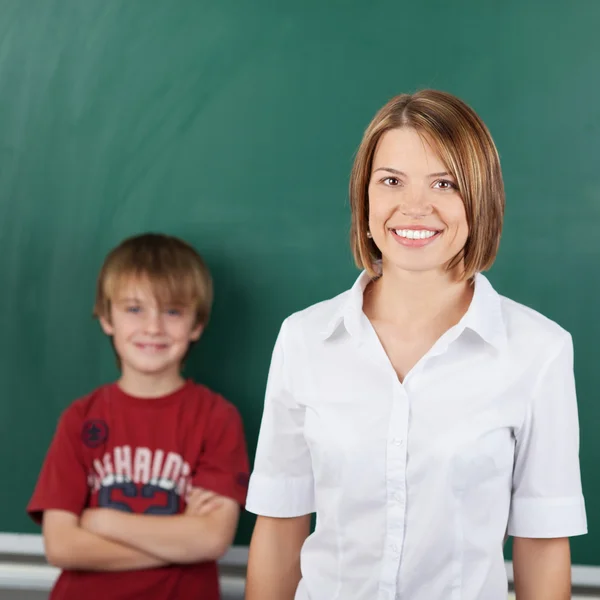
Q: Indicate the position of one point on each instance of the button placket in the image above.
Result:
(395, 481)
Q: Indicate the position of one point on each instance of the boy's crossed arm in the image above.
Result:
(70, 546)
(197, 535)
(109, 540)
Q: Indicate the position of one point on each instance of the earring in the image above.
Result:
(369, 235)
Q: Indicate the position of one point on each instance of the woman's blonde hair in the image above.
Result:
(466, 148)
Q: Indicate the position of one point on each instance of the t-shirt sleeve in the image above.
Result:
(547, 499)
(62, 482)
(223, 465)
(282, 483)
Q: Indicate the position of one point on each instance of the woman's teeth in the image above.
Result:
(415, 234)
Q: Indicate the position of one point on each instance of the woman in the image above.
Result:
(420, 414)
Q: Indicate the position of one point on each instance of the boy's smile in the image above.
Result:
(151, 347)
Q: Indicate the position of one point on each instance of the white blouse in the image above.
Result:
(415, 484)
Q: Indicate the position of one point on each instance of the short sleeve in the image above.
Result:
(62, 483)
(223, 465)
(282, 482)
(547, 499)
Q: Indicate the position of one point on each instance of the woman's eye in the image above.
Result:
(392, 181)
(444, 184)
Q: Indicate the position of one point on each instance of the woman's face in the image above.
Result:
(416, 213)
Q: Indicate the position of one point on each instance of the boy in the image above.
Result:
(141, 489)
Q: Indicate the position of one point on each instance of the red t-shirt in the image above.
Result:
(141, 455)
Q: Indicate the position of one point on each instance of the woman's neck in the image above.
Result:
(414, 300)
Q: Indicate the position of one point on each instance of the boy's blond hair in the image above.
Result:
(175, 272)
(464, 145)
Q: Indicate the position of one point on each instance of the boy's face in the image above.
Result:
(150, 338)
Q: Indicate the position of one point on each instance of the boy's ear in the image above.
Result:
(196, 333)
(106, 326)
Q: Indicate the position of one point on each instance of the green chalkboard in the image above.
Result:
(233, 125)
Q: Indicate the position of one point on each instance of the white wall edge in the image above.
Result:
(582, 575)
(27, 577)
(15, 576)
(22, 544)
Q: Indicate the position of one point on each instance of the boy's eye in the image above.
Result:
(133, 309)
(173, 312)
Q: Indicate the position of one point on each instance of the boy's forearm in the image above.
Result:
(175, 539)
(79, 550)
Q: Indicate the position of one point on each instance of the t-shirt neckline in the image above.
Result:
(144, 402)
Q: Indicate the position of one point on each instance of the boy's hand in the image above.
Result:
(202, 502)
(96, 520)
(204, 532)
(101, 521)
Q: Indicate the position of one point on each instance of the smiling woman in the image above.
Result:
(420, 414)
(430, 141)
(412, 207)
